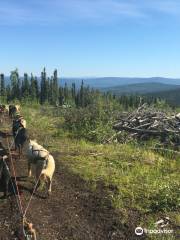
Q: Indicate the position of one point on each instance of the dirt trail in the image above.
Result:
(72, 212)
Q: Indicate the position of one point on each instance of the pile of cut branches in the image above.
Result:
(145, 123)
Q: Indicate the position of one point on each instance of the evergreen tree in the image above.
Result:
(55, 89)
(50, 96)
(8, 93)
(15, 84)
(44, 95)
(82, 95)
(66, 95)
(73, 91)
(33, 88)
(78, 99)
(61, 96)
(36, 85)
(47, 89)
(2, 86)
(25, 88)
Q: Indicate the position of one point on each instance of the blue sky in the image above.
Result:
(91, 37)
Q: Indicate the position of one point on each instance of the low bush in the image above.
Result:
(93, 123)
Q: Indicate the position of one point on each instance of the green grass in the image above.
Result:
(144, 181)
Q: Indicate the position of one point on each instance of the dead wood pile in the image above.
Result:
(147, 122)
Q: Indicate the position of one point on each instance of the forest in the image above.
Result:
(48, 90)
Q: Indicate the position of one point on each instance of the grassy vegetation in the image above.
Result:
(136, 178)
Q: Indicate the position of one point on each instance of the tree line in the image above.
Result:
(48, 90)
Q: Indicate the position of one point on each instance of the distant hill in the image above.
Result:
(167, 88)
(171, 96)
(106, 82)
(140, 88)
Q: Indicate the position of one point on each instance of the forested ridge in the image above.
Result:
(47, 90)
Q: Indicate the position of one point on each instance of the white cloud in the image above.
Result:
(93, 11)
(171, 7)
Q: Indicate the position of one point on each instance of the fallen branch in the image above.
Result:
(142, 131)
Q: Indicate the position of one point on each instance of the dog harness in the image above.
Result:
(44, 159)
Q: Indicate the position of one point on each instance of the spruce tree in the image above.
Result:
(51, 91)
(55, 89)
(36, 88)
(25, 88)
(66, 95)
(33, 88)
(73, 91)
(61, 96)
(8, 93)
(43, 94)
(47, 89)
(2, 85)
(15, 84)
(82, 95)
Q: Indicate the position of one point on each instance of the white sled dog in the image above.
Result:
(43, 161)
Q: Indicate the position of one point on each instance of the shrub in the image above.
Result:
(93, 123)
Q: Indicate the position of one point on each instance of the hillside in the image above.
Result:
(106, 82)
(103, 82)
(140, 88)
(171, 96)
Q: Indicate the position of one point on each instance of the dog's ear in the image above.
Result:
(5, 157)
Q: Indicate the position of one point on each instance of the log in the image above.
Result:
(142, 131)
(144, 125)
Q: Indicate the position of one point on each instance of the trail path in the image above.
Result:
(72, 212)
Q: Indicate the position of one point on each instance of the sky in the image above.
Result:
(91, 38)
